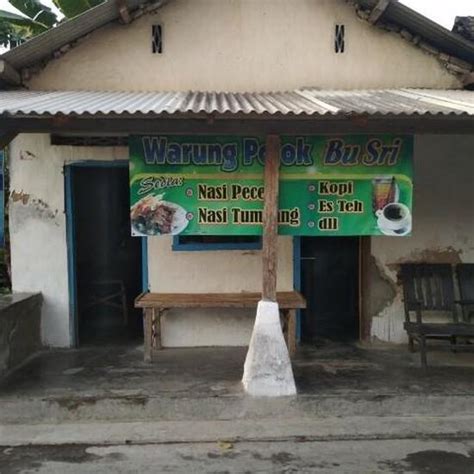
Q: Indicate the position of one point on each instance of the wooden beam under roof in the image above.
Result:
(378, 11)
(103, 126)
(124, 12)
(9, 74)
(6, 139)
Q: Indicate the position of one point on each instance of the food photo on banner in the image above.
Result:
(213, 185)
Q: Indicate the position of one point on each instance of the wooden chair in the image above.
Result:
(465, 274)
(428, 287)
(110, 293)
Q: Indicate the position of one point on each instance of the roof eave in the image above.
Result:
(395, 13)
(45, 45)
(242, 124)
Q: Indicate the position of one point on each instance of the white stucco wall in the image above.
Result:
(443, 220)
(212, 272)
(244, 45)
(38, 225)
(39, 253)
(443, 230)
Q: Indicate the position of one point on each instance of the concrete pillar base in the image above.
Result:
(267, 369)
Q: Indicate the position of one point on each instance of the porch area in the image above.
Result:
(333, 380)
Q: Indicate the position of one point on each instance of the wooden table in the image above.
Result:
(155, 304)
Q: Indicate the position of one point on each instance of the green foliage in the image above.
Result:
(36, 11)
(15, 29)
(72, 8)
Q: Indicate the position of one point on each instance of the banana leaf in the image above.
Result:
(14, 19)
(72, 8)
(14, 31)
(35, 10)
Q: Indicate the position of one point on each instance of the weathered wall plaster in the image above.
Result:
(38, 226)
(381, 290)
(264, 45)
(443, 229)
(443, 224)
(39, 254)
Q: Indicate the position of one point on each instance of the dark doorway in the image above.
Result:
(330, 283)
(107, 259)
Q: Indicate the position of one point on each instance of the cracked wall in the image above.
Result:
(38, 225)
(443, 226)
(378, 289)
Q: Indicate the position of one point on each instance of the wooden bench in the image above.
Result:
(155, 304)
(430, 288)
(465, 274)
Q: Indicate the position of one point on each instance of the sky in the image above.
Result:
(441, 11)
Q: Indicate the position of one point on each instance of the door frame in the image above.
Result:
(71, 242)
(363, 257)
(297, 281)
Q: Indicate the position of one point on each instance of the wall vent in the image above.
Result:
(157, 39)
(339, 39)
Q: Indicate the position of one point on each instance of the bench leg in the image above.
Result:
(156, 329)
(288, 318)
(411, 344)
(151, 332)
(147, 333)
(292, 332)
(424, 362)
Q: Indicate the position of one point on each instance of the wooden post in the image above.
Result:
(267, 368)
(270, 217)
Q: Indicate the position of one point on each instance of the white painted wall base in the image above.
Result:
(267, 369)
(207, 327)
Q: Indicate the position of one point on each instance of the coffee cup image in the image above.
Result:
(394, 219)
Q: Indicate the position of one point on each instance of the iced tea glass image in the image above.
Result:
(384, 191)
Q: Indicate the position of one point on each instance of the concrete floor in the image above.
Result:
(334, 457)
(327, 369)
(113, 383)
(359, 410)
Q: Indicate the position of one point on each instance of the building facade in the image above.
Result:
(238, 47)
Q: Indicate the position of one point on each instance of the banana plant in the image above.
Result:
(72, 8)
(36, 18)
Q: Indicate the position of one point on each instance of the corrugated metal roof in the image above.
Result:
(41, 47)
(298, 102)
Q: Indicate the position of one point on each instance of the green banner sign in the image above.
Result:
(213, 185)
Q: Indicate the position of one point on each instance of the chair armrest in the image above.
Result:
(465, 317)
(464, 302)
(417, 312)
